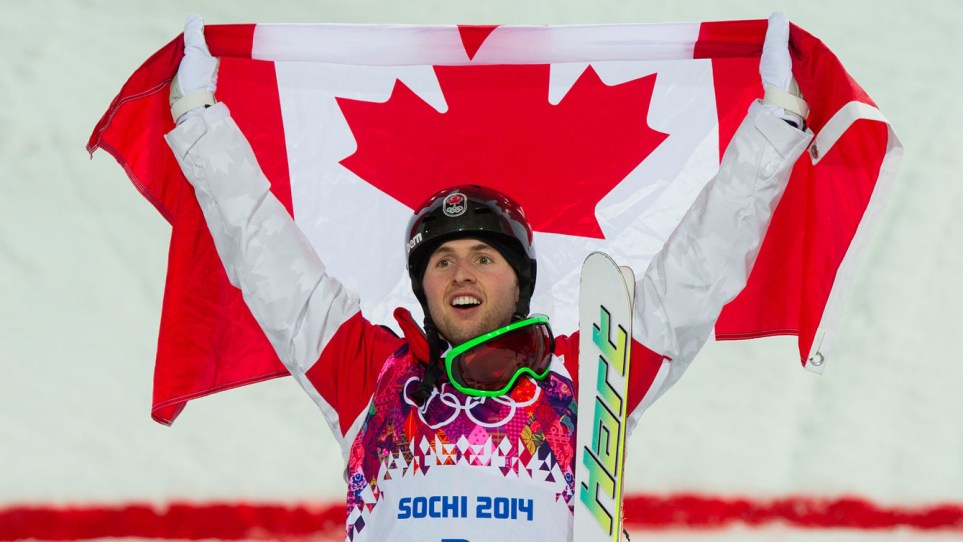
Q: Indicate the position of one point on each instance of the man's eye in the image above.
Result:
(443, 262)
(485, 259)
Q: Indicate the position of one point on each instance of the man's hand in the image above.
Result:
(775, 67)
(193, 88)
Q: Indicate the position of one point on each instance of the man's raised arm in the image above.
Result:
(706, 261)
(303, 311)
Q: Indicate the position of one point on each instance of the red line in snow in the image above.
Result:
(237, 521)
(181, 521)
(705, 512)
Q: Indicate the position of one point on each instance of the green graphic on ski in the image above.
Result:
(605, 329)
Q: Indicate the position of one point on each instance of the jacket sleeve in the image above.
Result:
(300, 308)
(706, 261)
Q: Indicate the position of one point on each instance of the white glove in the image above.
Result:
(775, 67)
(193, 88)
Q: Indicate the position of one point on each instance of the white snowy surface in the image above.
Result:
(83, 256)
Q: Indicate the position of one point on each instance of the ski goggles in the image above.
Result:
(490, 364)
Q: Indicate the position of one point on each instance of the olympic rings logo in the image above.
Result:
(447, 398)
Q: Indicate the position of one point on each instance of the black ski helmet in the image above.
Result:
(477, 212)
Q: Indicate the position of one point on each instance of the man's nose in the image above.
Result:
(463, 272)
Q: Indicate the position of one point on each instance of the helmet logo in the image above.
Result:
(413, 242)
(455, 204)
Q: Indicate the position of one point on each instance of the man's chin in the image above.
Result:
(458, 332)
(458, 336)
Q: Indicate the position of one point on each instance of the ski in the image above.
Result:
(605, 329)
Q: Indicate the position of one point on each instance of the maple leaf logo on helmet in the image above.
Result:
(454, 205)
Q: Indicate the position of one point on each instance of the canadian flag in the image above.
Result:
(604, 133)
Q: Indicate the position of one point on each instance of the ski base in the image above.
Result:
(605, 329)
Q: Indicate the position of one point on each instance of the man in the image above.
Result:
(478, 444)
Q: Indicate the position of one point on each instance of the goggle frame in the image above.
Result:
(452, 355)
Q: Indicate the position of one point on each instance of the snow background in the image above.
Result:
(83, 260)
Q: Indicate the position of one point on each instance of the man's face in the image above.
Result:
(471, 289)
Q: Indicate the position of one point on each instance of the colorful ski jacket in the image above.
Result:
(463, 468)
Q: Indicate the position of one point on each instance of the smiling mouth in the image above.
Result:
(465, 302)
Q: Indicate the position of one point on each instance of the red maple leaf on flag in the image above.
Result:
(501, 131)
